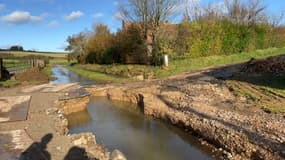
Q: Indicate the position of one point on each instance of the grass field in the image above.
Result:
(50, 54)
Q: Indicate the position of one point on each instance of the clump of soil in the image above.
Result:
(272, 65)
(33, 74)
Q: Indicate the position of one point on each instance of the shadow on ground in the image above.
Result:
(38, 151)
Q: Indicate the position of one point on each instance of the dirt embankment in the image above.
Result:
(33, 74)
(272, 65)
(207, 107)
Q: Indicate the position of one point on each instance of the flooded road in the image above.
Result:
(122, 126)
(64, 75)
(119, 125)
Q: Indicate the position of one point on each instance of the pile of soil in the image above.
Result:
(33, 74)
(272, 65)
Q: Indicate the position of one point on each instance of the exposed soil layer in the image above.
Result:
(33, 74)
(272, 65)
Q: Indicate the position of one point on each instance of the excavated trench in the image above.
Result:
(122, 125)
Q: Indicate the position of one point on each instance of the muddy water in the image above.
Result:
(64, 75)
(122, 126)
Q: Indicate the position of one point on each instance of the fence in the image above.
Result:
(15, 64)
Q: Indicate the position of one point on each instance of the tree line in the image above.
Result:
(149, 32)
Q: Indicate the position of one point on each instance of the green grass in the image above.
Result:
(59, 61)
(98, 77)
(269, 91)
(188, 64)
(50, 54)
(177, 66)
(9, 83)
(273, 109)
(48, 70)
(244, 92)
(279, 92)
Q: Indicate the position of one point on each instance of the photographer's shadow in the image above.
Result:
(37, 150)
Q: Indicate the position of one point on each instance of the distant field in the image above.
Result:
(50, 54)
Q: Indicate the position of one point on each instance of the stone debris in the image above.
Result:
(117, 155)
(88, 142)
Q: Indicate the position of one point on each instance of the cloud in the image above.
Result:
(45, 15)
(21, 17)
(116, 3)
(73, 15)
(53, 23)
(2, 6)
(118, 16)
(98, 15)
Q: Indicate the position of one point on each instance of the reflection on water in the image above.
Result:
(64, 75)
(79, 118)
(121, 126)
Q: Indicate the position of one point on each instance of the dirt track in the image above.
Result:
(45, 119)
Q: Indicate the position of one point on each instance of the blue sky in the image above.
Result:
(45, 24)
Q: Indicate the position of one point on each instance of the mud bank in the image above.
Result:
(209, 110)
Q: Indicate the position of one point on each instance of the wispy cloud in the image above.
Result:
(118, 16)
(2, 6)
(20, 17)
(53, 23)
(73, 15)
(98, 15)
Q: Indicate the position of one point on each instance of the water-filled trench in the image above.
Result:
(120, 125)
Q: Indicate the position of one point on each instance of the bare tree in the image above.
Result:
(149, 15)
(275, 20)
(192, 10)
(245, 12)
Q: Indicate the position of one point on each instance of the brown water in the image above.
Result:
(122, 126)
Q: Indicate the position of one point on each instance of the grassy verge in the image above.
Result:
(273, 109)
(48, 70)
(99, 77)
(9, 83)
(179, 65)
(266, 91)
(59, 61)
